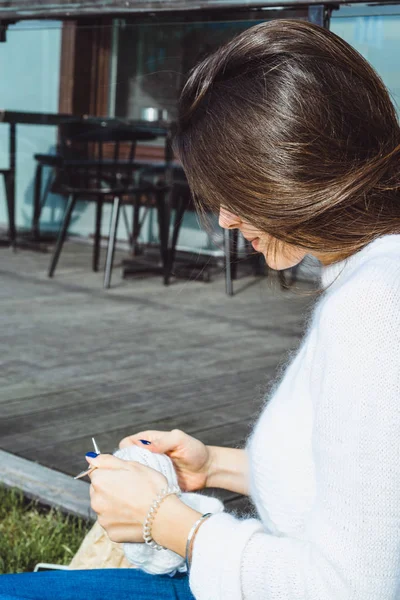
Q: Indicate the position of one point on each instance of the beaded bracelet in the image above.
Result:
(148, 522)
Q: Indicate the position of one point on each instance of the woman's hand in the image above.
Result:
(191, 458)
(197, 466)
(121, 494)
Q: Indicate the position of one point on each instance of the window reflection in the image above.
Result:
(153, 61)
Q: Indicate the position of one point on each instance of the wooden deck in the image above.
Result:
(78, 361)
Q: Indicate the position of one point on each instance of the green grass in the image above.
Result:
(30, 534)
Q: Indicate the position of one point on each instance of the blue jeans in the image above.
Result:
(96, 584)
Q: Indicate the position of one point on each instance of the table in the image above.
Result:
(14, 118)
(160, 128)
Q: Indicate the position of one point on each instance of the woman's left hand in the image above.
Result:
(121, 494)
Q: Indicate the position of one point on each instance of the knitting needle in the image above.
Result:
(95, 446)
(88, 471)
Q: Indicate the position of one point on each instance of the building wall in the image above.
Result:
(29, 67)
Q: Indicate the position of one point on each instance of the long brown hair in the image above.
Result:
(290, 128)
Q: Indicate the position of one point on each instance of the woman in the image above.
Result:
(292, 137)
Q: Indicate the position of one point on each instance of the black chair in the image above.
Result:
(86, 172)
(54, 162)
(180, 201)
(166, 196)
(12, 234)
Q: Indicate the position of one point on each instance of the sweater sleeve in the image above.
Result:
(350, 549)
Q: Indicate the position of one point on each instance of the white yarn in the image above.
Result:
(150, 560)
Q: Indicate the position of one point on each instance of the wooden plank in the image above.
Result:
(46, 485)
(241, 506)
(83, 362)
(175, 408)
(29, 399)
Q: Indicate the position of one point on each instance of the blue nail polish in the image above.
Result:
(145, 442)
(91, 454)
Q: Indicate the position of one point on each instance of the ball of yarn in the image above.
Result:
(150, 560)
(159, 462)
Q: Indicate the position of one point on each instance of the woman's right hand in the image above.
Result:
(191, 458)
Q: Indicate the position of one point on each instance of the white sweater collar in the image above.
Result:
(343, 268)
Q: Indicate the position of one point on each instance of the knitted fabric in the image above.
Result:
(151, 560)
(324, 455)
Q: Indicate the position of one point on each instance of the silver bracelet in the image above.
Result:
(148, 522)
(192, 532)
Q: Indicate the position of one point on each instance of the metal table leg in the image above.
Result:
(11, 182)
(228, 272)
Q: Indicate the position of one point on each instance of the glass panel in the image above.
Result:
(30, 67)
(153, 61)
(377, 37)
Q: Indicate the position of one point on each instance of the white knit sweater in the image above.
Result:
(324, 456)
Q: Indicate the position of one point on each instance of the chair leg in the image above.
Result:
(11, 210)
(47, 189)
(228, 272)
(127, 225)
(62, 234)
(179, 212)
(136, 226)
(43, 200)
(97, 236)
(36, 201)
(111, 241)
(234, 253)
(163, 226)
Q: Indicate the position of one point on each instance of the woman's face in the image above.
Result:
(287, 255)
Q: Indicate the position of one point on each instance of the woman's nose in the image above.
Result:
(228, 220)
